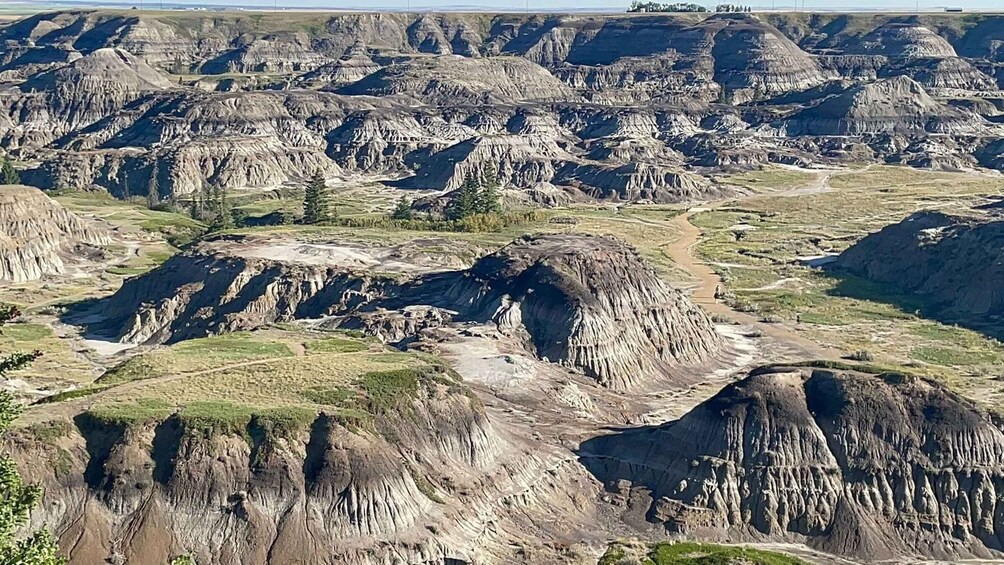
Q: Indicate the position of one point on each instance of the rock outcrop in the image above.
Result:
(951, 262)
(316, 490)
(609, 107)
(588, 302)
(453, 80)
(867, 466)
(895, 105)
(38, 237)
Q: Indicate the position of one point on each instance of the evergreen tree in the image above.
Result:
(488, 195)
(403, 210)
(465, 199)
(8, 174)
(316, 207)
(222, 214)
(153, 191)
(16, 498)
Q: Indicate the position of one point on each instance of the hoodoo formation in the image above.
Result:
(39, 237)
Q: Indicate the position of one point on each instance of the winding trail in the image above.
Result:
(682, 252)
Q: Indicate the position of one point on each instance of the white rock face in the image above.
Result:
(37, 234)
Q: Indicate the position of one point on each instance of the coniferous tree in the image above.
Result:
(16, 498)
(465, 199)
(488, 195)
(8, 174)
(403, 210)
(316, 207)
(222, 214)
(153, 192)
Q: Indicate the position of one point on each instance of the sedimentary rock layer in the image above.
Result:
(869, 466)
(37, 234)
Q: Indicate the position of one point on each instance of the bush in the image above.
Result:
(862, 355)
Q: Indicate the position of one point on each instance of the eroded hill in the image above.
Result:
(610, 107)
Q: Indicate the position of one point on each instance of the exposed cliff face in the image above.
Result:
(265, 492)
(896, 105)
(873, 467)
(629, 103)
(38, 237)
(87, 90)
(588, 302)
(952, 262)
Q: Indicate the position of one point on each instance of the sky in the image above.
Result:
(541, 5)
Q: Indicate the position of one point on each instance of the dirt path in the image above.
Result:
(682, 252)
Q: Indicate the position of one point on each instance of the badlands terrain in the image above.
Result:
(741, 304)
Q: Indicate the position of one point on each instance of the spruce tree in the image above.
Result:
(488, 195)
(403, 210)
(153, 191)
(222, 217)
(465, 199)
(8, 174)
(16, 498)
(316, 207)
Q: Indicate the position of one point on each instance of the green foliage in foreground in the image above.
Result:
(690, 553)
(16, 498)
(8, 174)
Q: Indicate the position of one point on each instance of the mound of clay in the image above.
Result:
(316, 492)
(93, 86)
(895, 105)
(589, 302)
(869, 466)
(454, 80)
(37, 235)
(953, 262)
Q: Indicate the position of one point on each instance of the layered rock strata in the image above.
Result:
(868, 466)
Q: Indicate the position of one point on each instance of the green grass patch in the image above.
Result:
(231, 347)
(130, 414)
(26, 332)
(952, 357)
(335, 345)
(386, 390)
(214, 418)
(337, 396)
(692, 553)
(281, 422)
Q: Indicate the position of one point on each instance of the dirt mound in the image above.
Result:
(868, 466)
(952, 262)
(455, 80)
(895, 105)
(592, 303)
(38, 237)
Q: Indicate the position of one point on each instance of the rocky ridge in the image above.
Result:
(38, 237)
(588, 302)
(560, 99)
(868, 466)
(952, 262)
(322, 490)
